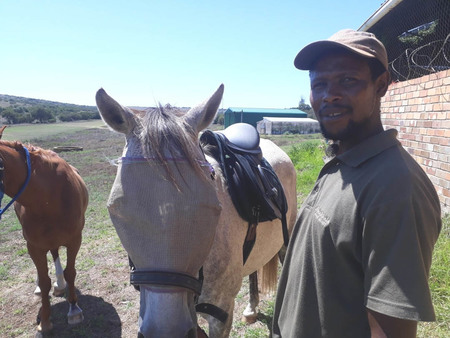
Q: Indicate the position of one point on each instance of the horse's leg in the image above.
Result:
(75, 314)
(59, 287)
(37, 291)
(39, 258)
(250, 312)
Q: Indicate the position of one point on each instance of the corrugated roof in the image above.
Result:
(289, 119)
(264, 110)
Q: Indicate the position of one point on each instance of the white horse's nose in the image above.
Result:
(167, 314)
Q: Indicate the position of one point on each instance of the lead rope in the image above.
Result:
(27, 155)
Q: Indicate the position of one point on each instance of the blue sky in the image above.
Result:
(166, 51)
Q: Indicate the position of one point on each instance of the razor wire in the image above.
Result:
(416, 34)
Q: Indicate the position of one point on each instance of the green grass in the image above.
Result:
(440, 286)
(308, 160)
(3, 271)
(28, 132)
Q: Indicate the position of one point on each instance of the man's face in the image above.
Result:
(345, 99)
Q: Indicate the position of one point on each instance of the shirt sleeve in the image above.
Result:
(397, 243)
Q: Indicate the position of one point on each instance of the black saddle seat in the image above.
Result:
(242, 137)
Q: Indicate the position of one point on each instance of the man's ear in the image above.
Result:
(382, 83)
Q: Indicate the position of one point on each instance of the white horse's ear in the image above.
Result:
(113, 114)
(201, 116)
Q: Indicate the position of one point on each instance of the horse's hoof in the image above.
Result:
(57, 292)
(59, 288)
(250, 315)
(249, 319)
(41, 329)
(75, 315)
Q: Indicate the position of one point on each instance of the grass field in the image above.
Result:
(26, 133)
(109, 303)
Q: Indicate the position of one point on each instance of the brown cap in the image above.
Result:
(361, 43)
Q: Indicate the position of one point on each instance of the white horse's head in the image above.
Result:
(164, 207)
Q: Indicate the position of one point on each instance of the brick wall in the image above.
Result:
(420, 110)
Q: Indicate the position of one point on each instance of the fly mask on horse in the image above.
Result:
(164, 206)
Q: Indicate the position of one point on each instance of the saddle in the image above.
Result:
(253, 185)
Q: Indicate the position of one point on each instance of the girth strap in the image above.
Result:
(165, 278)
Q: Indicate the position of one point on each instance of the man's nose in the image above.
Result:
(332, 93)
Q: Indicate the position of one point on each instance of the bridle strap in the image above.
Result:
(27, 155)
(212, 310)
(165, 278)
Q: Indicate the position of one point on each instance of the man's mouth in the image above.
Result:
(332, 112)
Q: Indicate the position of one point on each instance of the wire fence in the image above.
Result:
(416, 34)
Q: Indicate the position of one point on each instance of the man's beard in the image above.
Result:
(351, 131)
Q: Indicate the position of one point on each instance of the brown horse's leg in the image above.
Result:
(39, 258)
(60, 284)
(75, 314)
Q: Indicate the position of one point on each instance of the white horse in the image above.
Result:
(173, 217)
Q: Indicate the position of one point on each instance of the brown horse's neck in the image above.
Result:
(15, 167)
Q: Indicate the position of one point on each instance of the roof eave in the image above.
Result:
(385, 8)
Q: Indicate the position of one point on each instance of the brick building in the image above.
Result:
(420, 110)
(416, 34)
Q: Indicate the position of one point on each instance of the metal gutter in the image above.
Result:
(379, 14)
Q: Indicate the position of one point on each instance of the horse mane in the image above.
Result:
(164, 131)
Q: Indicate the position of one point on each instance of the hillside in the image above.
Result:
(16, 109)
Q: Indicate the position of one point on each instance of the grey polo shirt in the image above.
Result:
(364, 239)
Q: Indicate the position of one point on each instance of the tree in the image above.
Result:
(42, 115)
(10, 115)
(306, 108)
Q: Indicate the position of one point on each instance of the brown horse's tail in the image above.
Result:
(268, 276)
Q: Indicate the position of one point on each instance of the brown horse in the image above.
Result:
(50, 207)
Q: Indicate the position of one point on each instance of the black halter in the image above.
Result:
(138, 277)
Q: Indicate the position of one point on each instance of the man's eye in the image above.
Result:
(348, 80)
(318, 85)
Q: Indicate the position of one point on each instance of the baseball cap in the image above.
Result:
(362, 43)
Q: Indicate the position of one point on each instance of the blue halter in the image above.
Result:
(27, 154)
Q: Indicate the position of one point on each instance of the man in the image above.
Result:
(360, 253)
